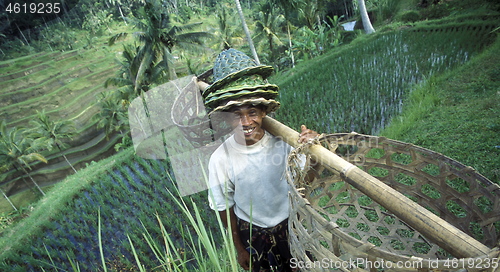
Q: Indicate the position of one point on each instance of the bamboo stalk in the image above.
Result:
(442, 233)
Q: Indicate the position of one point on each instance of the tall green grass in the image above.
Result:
(208, 254)
(204, 252)
(128, 196)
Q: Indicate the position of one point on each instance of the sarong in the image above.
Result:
(269, 246)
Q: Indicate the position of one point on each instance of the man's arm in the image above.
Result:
(243, 255)
(304, 136)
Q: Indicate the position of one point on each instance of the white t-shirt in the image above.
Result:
(252, 179)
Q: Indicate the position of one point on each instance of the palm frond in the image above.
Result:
(117, 37)
(31, 157)
(196, 37)
(117, 81)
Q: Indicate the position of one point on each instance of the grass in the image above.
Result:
(53, 203)
(457, 114)
(363, 85)
(91, 221)
(65, 84)
(208, 254)
(23, 199)
(108, 209)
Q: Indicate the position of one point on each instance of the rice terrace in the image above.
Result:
(425, 86)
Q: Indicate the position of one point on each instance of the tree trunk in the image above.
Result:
(290, 46)
(121, 13)
(69, 163)
(247, 32)
(33, 180)
(64, 156)
(8, 199)
(367, 25)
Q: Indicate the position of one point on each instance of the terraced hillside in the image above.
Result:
(65, 85)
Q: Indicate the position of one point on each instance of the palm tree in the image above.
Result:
(228, 34)
(247, 32)
(157, 36)
(112, 116)
(125, 79)
(267, 28)
(288, 7)
(53, 133)
(367, 25)
(18, 151)
(310, 14)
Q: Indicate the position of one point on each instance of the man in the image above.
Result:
(247, 172)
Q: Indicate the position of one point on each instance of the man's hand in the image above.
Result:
(244, 259)
(306, 134)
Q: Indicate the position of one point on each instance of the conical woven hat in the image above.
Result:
(239, 80)
(231, 65)
(270, 104)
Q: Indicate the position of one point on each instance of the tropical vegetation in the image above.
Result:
(428, 75)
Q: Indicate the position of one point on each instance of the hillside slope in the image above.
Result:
(65, 85)
(457, 114)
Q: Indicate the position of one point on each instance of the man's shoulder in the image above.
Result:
(278, 142)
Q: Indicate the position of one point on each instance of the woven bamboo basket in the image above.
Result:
(190, 116)
(334, 226)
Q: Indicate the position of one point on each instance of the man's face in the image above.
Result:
(247, 123)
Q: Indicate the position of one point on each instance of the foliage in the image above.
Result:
(386, 10)
(95, 21)
(19, 152)
(410, 16)
(209, 254)
(309, 12)
(125, 78)
(112, 116)
(129, 195)
(228, 32)
(436, 11)
(325, 37)
(361, 87)
(64, 85)
(464, 123)
(157, 37)
(268, 34)
(49, 131)
(9, 218)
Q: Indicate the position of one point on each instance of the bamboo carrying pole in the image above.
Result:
(442, 233)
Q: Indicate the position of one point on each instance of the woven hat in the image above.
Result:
(239, 80)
